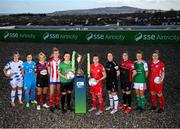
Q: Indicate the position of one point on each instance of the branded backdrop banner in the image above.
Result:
(161, 36)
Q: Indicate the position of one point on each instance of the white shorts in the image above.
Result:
(140, 86)
(15, 83)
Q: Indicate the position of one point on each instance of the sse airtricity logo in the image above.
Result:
(138, 37)
(6, 35)
(45, 35)
(89, 36)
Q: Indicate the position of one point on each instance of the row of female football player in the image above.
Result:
(34, 79)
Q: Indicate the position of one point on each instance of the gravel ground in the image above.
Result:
(20, 117)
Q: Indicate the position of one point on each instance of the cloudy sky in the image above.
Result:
(47, 6)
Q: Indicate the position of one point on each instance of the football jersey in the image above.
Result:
(111, 70)
(63, 69)
(96, 71)
(156, 69)
(15, 69)
(53, 65)
(126, 68)
(41, 70)
(29, 70)
(141, 68)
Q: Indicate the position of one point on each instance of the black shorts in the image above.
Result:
(112, 86)
(42, 82)
(126, 86)
(66, 86)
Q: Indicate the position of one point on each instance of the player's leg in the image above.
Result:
(51, 96)
(115, 101)
(57, 98)
(20, 84)
(13, 93)
(69, 94)
(129, 98)
(27, 86)
(153, 95)
(93, 103)
(63, 97)
(33, 92)
(124, 105)
(38, 98)
(142, 100)
(136, 87)
(101, 103)
(108, 87)
(159, 90)
(45, 90)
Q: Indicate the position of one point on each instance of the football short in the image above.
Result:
(16, 83)
(139, 86)
(158, 88)
(126, 86)
(42, 82)
(66, 86)
(112, 86)
(97, 90)
(29, 84)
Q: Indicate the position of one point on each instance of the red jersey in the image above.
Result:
(53, 65)
(156, 69)
(96, 71)
(126, 68)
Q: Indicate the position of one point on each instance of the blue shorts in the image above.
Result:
(29, 84)
(55, 83)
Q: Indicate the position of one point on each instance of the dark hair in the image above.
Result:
(125, 52)
(110, 52)
(139, 52)
(28, 54)
(95, 55)
(156, 52)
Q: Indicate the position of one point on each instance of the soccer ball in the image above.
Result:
(8, 72)
(157, 80)
(92, 82)
(70, 75)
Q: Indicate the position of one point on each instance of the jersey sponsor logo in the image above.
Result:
(80, 84)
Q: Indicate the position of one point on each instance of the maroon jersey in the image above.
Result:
(126, 68)
(41, 69)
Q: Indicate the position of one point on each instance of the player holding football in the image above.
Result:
(29, 80)
(126, 68)
(66, 84)
(42, 80)
(16, 78)
(156, 70)
(53, 64)
(112, 71)
(140, 73)
(97, 72)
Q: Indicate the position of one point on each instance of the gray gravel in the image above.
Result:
(20, 117)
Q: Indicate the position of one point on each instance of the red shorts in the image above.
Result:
(97, 90)
(158, 88)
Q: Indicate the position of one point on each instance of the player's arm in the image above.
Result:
(5, 69)
(146, 69)
(59, 72)
(104, 75)
(117, 70)
(162, 74)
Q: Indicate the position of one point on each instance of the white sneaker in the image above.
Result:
(45, 105)
(109, 108)
(38, 107)
(91, 109)
(114, 111)
(99, 113)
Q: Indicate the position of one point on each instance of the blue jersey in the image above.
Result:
(29, 70)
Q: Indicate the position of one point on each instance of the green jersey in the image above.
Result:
(141, 68)
(64, 69)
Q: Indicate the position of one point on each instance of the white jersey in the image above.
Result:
(53, 65)
(16, 77)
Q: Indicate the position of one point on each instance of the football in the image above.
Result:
(70, 75)
(92, 82)
(157, 80)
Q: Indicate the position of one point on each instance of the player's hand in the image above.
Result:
(161, 81)
(134, 73)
